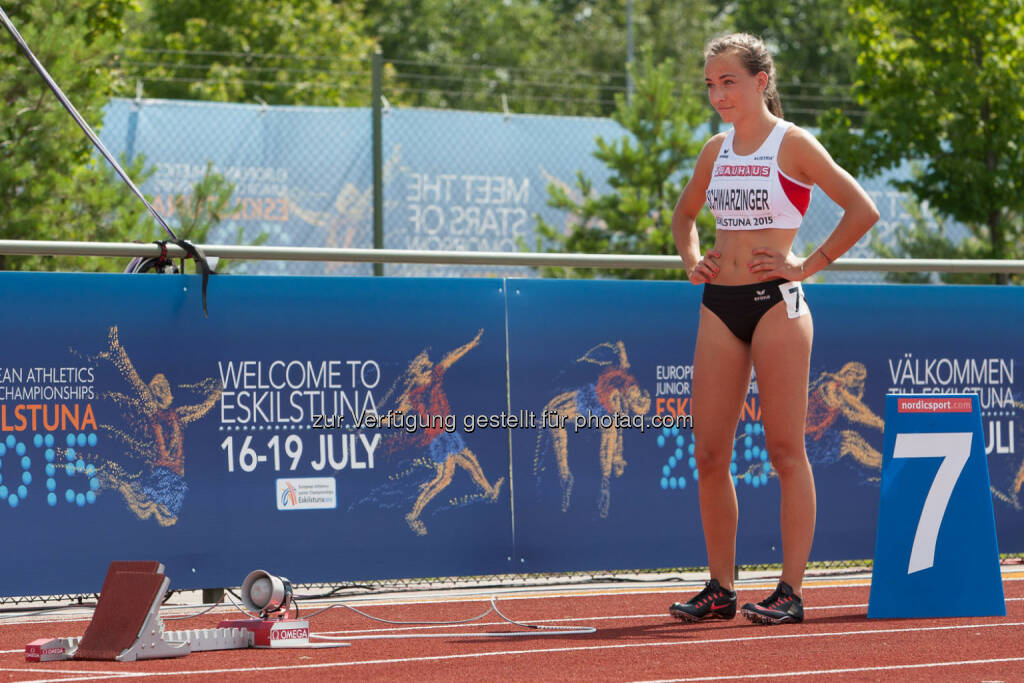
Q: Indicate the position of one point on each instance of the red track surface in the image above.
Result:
(636, 640)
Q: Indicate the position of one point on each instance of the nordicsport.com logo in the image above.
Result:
(306, 493)
(959, 404)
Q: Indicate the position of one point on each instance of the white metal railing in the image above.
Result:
(493, 258)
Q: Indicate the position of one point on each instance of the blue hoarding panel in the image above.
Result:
(869, 340)
(451, 179)
(133, 428)
(615, 487)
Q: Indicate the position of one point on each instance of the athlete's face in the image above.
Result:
(733, 92)
(161, 390)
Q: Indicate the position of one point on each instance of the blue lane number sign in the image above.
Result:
(936, 529)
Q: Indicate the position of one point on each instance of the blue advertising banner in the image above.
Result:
(133, 428)
(452, 180)
(603, 494)
(598, 364)
(355, 428)
(476, 181)
(303, 175)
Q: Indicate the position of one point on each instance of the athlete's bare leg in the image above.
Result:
(857, 447)
(611, 451)
(721, 379)
(467, 461)
(427, 493)
(564, 406)
(781, 351)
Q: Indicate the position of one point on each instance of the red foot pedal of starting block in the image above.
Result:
(273, 633)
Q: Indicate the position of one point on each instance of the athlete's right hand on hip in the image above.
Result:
(706, 268)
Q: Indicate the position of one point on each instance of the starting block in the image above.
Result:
(127, 626)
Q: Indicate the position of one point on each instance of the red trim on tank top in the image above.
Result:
(798, 193)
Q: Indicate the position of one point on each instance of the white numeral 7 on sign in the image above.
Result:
(955, 449)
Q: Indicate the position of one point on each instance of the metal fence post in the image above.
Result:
(378, 165)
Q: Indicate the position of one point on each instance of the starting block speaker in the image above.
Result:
(936, 553)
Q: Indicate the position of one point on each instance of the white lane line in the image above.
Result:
(553, 650)
(107, 675)
(80, 674)
(661, 615)
(682, 587)
(557, 594)
(823, 672)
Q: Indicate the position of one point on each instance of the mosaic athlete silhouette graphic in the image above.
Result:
(841, 394)
(1012, 495)
(614, 392)
(156, 436)
(423, 395)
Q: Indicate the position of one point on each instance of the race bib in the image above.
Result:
(793, 295)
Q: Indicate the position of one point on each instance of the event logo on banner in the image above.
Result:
(936, 553)
(307, 493)
(840, 425)
(749, 464)
(47, 414)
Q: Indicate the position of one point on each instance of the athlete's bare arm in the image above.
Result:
(802, 157)
(453, 356)
(856, 411)
(120, 358)
(212, 388)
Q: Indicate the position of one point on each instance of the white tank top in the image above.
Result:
(751, 193)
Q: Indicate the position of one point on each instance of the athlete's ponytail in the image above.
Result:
(754, 56)
(771, 98)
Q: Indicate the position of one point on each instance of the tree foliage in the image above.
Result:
(563, 57)
(814, 51)
(463, 55)
(928, 238)
(647, 173)
(312, 52)
(51, 185)
(942, 83)
(197, 214)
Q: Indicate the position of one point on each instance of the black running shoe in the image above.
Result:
(714, 602)
(781, 607)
